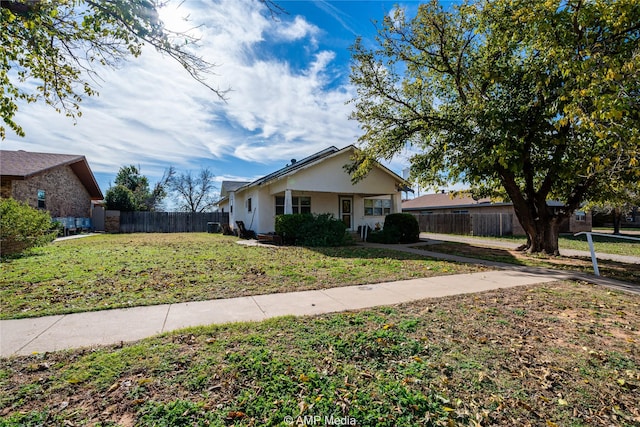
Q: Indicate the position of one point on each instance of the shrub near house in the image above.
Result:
(398, 228)
(311, 230)
(22, 227)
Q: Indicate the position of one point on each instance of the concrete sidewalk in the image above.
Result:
(26, 336)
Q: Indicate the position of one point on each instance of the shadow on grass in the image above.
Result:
(471, 251)
(363, 252)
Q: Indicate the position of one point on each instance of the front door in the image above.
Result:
(346, 211)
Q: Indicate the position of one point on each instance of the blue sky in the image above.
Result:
(289, 81)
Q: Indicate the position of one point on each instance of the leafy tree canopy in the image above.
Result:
(144, 199)
(120, 198)
(527, 100)
(50, 49)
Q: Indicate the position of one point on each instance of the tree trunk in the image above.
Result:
(617, 219)
(541, 226)
(543, 236)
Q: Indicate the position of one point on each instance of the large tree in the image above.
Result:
(144, 199)
(525, 100)
(52, 50)
(194, 193)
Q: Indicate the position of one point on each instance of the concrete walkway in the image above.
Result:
(51, 333)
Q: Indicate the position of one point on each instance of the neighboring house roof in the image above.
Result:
(445, 201)
(451, 201)
(21, 165)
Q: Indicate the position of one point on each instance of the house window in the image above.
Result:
(249, 204)
(581, 216)
(41, 200)
(298, 205)
(461, 211)
(377, 207)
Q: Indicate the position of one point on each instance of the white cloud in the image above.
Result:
(152, 113)
(297, 30)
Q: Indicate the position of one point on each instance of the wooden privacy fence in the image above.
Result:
(169, 222)
(495, 224)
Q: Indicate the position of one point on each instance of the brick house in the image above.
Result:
(62, 184)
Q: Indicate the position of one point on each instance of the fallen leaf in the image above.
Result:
(235, 415)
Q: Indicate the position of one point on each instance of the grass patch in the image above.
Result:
(556, 354)
(111, 271)
(609, 245)
(615, 270)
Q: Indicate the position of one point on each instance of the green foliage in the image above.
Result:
(388, 236)
(120, 198)
(59, 44)
(324, 230)
(289, 226)
(141, 197)
(312, 230)
(398, 228)
(527, 101)
(406, 224)
(23, 227)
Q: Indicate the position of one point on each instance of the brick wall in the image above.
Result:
(64, 193)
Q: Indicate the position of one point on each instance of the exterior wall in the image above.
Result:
(321, 202)
(6, 188)
(576, 226)
(324, 183)
(64, 193)
(329, 176)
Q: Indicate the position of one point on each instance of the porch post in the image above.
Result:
(288, 204)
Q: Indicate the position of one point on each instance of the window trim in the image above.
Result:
(41, 199)
(378, 207)
(297, 205)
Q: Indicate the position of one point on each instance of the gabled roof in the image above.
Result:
(21, 165)
(444, 201)
(295, 165)
(312, 160)
(449, 201)
(228, 186)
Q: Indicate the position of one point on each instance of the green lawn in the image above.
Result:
(557, 354)
(110, 271)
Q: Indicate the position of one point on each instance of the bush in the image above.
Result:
(289, 226)
(398, 228)
(23, 227)
(120, 198)
(312, 230)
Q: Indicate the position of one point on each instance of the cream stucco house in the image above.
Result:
(316, 184)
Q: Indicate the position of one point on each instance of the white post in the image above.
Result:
(594, 260)
(288, 203)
